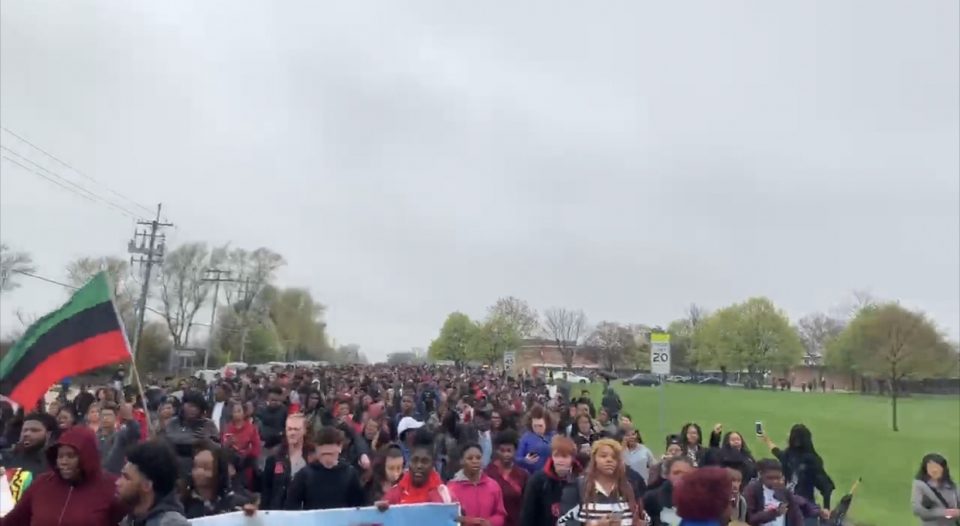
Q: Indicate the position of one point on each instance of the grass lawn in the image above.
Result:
(851, 432)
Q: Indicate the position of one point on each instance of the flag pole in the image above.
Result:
(133, 359)
(143, 396)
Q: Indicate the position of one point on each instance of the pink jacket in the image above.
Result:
(481, 500)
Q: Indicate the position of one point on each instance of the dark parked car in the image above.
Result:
(643, 379)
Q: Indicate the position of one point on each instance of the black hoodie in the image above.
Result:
(541, 497)
(165, 512)
(316, 487)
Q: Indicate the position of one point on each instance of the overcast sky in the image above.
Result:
(414, 160)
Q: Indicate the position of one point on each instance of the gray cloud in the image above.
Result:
(410, 161)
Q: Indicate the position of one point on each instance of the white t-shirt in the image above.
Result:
(217, 413)
(770, 500)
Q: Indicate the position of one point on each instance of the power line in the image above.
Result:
(64, 183)
(78, 172)
(66, 285)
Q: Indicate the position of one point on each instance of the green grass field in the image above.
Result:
(851, 432)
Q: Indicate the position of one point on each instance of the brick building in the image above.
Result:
(543, 352)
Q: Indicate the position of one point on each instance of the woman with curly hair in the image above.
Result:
(701, 498)
(602, 496)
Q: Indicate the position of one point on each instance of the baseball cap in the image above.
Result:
(407, 423)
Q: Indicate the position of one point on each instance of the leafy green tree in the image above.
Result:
(298, 319)
(454, 339)
(155, 347)
(263, 344)
(891, 342)
(491, 339)
(753, 336)
(682, 335)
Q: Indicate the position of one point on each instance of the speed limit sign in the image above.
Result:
(660, 353)
(509, 358)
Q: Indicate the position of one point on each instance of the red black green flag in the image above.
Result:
(82, 335)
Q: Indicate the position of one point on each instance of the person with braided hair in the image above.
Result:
(603, 495)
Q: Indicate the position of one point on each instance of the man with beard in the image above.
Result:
(190, 427)
(28, 453)
(146, 486)
(273, 418)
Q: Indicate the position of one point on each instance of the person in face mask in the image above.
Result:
(541, 497)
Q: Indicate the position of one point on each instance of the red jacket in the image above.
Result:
(246, 438)
(512, 489)
(52, 501)
(481, 500)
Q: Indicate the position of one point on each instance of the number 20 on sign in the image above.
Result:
(660, 353)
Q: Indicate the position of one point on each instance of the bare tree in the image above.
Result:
(518, 314)
(565, 327)
(816, 331)
(12, 263)
(122, 281)
(695, 315)
(613, 343)
(182, 288)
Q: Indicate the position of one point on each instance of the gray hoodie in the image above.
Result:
(166, 512)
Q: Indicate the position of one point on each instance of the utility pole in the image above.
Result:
(215, 275)
(150, 253)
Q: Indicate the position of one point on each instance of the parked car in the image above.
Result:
(573, 378)
(678, 379)
(710, 380)
(643, 379)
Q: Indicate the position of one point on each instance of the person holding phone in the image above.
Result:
(769, 501)
(534, 446)
(243, 438)
(802, 465)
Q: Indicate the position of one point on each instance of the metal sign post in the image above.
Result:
(509, 360)
(660, 365)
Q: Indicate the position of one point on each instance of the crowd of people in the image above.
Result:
(512, 451)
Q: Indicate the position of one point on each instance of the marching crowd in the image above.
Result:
(511, 451)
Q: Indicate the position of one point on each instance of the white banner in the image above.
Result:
(399, 515)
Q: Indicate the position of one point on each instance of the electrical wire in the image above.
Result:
(78, 172)
(64, 183)
(65, 285)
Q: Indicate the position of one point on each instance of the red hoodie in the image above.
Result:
(404, 492)
(52, 501)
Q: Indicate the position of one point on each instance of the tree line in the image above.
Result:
(257, 320)
(880, 340)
